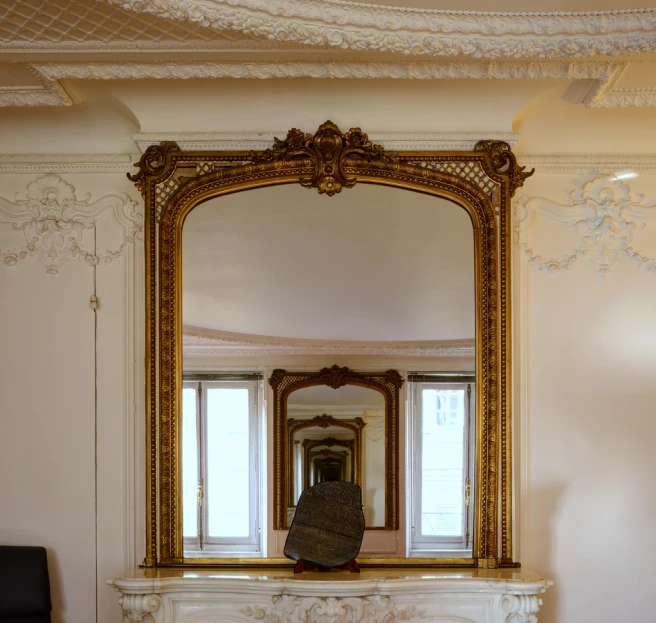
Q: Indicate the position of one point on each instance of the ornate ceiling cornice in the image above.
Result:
(364, 27)
(602, 93)
(258, 141)
(612, 164)
(66, 163)
(198, 341)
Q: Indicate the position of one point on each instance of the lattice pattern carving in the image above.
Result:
(205, 167)
(58, 21)
(163, 192)
(471, 171)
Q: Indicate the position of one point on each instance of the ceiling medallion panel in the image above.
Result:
(348, 25)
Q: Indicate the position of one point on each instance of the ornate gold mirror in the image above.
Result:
(244, 286)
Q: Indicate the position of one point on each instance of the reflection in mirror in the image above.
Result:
(375, 278)
(338, 434)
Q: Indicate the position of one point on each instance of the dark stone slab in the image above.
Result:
(328, 526)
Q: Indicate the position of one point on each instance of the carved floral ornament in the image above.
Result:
(53, 221)
(604, 215)
(289, 609)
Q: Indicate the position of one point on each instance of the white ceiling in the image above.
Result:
(373, 263)
(348, 395)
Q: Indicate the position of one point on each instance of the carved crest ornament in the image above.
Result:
(482, 181)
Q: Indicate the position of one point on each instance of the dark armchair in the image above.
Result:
(24, 585)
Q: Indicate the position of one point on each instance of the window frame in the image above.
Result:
(440, 546)
(252, 545)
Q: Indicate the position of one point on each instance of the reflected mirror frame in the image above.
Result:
(294, 425)
(284, 383)
(173, 181)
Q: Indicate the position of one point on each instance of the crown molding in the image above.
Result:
(601, 94)
(366, 27)
(586, 164)
(123, 163)
(395, 141)
(66, 163)
(198, 341)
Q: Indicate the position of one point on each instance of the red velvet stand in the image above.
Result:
(351, 566)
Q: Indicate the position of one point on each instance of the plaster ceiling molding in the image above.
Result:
(395, 141)
(53, 221)
(629, 98)
(66, 163)
(198, 341)
(604, 214)
(604, 75)
(607, 164)
(71, 25)
(366, 27)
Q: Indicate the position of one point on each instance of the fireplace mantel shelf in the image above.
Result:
(374, 596)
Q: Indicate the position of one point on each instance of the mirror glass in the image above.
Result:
(338, 434)
(374, 278)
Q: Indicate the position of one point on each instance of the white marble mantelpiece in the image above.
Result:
(373, 596)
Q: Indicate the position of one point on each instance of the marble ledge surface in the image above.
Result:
(369, 582)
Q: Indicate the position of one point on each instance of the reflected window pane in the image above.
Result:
(442, 462)
(190, 474)
(228, 474)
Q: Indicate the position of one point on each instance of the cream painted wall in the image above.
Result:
(69, 450)
(586, 419)
(73, 467)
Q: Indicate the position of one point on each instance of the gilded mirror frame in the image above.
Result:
(284, 383)
(482, 181)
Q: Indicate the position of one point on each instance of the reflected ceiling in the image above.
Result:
(373, 263)
(346, 395)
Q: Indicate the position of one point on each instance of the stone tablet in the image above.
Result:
(328, 526)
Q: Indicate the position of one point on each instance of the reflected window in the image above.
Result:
(221, 470)
(442, 440)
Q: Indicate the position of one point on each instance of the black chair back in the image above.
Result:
(24, 585)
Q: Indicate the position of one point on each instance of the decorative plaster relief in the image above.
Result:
(289, 609)
(363, 27)
(53, 221)
(602, 94)
(604, 214)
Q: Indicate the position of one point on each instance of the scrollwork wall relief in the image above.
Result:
(54, 220)
(604, 215)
